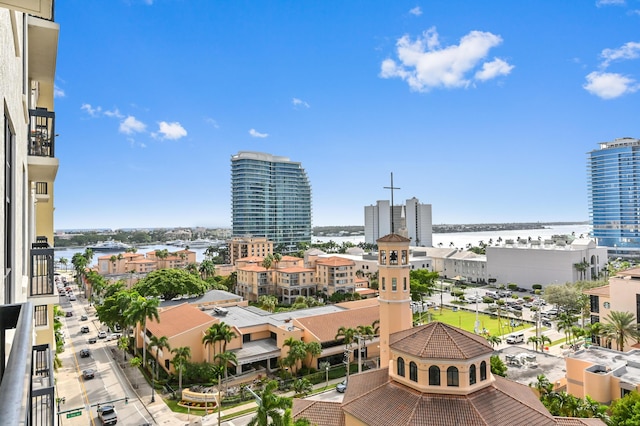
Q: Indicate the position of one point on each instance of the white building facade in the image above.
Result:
(412, 220)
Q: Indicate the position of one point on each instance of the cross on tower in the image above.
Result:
(391, 188)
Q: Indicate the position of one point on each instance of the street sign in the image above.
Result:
(74, 414)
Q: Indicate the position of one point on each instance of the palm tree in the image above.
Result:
(159, 343)
(139, 311)
(207, 269)
(211, 337)
(347, 334)
(312, 349)
(225, 358)
(493, 340)
(277, 257)
(620, 327)
(565, 322)
(543, 340)
(302, 387)
(64, 261)
(271, 407)
(268, 303)
(225, 335)
(535, 341)
(180, 357)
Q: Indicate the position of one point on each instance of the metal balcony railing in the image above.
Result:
(42, 263)
(15, 377)
(42, 386)
(42, 133)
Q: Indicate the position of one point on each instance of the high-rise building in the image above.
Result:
(614, 195)
(412, 220)
(270, 197)
(28, 52)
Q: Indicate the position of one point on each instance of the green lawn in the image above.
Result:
(466, 321)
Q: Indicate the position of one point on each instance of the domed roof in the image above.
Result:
(437, 340)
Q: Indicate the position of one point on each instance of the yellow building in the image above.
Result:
(335, 275)
(241, 247)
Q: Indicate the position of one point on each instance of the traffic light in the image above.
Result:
(126, 400)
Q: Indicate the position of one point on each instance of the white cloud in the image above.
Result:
(493, 69)
(600, 3)
(115, 113)
(256, 134)
(173, 131)
(130, 125)
(630, 50)
(58, 92)
(609, 85)
(416, 11)
(91, 110)
(424, 65)
(212, 122)
(299, 103)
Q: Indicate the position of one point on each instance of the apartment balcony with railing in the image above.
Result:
(41, 143)
(26, 381)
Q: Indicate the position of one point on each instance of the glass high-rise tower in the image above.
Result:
(270, 197)
(614, 195)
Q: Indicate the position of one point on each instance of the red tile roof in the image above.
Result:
(393, 238)
(440, 341)
(325, 327)
(178, 319)
(335, 261)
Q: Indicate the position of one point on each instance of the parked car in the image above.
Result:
(114, 336)
(72, 297)
(93, 339)
(341, 387)
(83, 318)
(84, 329)
(88, 374)
(68, 314)
(102, 335)
(85, 353)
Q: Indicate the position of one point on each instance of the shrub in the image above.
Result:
(512, 287)
(537, 286)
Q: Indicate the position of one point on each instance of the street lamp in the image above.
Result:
(153, 385)
(326, 370)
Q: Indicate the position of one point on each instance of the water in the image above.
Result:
(459, 239)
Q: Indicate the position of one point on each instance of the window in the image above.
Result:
(404, 257)
(393, 257)
(452, 377)
(413, 371)
(384, 284)
(400, 367)
(8, 210)
(434, 376)
(594, 302)
(404, 283)
(472, 374)
(394, 284)
(40, 315)
(483, 370)
(383, 257)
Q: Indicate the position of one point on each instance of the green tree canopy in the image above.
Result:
(422, 282)
(626, 410)
(170, 283)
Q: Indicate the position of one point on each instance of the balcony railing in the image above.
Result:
(42, 386)
(16, 375)
(42, 133)
(42, 263)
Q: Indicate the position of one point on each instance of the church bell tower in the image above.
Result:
(394, 290)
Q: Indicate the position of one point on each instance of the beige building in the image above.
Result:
(241, 247)
(335, 275)
(123, 263)
(28, 55)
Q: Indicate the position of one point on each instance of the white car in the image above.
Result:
(114, 336)
(102, 335)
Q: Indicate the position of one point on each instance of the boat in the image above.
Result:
(109, 246)
(198, 243)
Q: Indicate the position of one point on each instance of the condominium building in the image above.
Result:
(270, 197)
(240, 247)
(614, 196)
(412, 219)
(28, 52)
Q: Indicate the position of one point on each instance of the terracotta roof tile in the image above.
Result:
(441, 341)
(393, 238)
(178, 319)
(323, 413)
(325, 327)
(362, 303)
(378, 402)
(335, 261)
(598, 291)
(294, 269)
(575, 421)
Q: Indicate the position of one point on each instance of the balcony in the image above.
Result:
(41, 277)
(43, 166)
(26, 382)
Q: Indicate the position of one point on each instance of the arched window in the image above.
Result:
(400, 367)
(472, 374)
(452, 377)
(483, 370)
(413, 371)
(434, 376)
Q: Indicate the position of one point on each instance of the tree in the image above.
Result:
(626, 410)
(79, 263)
(297, 352)
(497, 366)
(159, 343)
(422, 282)
(139, 311)
(271, 407)
(312, 349)
(535, 341)
(493, 340)
(543, 340)
(210, 338)
(180, 357)
(123, 344)
(302, 387)
(347, 334)
(268, 303)
(566, 322)
(207, 269)
(620, 327)
(170, 283)
(64, 262)
(225, 358)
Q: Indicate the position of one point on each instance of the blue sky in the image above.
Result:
(485, 110)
